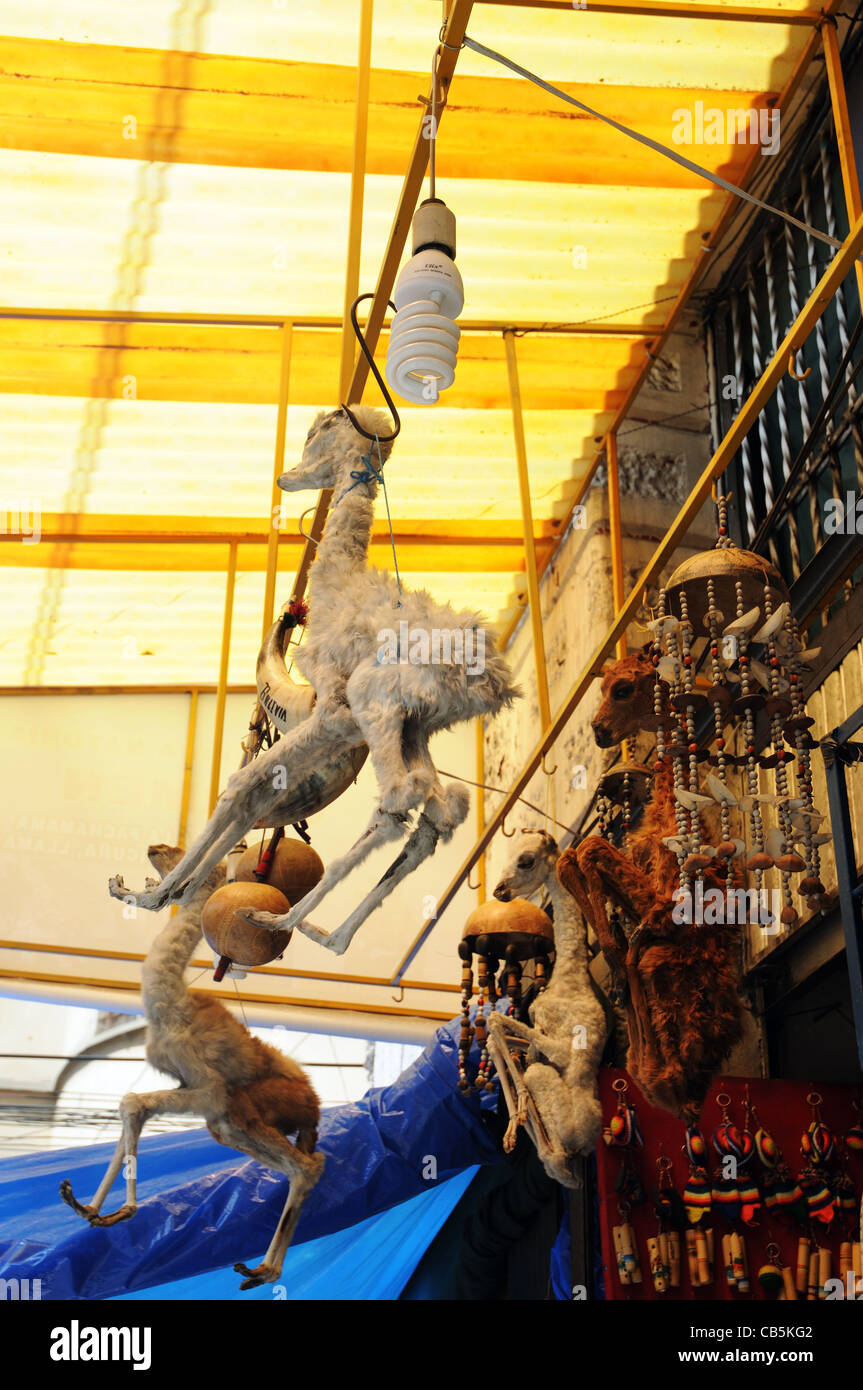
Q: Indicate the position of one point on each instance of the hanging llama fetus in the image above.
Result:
(388, 667)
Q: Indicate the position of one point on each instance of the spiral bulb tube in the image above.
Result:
(428, 296)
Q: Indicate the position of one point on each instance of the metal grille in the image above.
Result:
(807, 447)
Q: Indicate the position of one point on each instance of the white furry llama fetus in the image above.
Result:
(361, 696)
(570, 1023)
(250, 1095)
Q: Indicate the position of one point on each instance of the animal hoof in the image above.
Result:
(122, 1214)
(72, 1201)
(264, 1274)
(117, 888)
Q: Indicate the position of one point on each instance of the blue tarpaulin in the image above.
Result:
(203, 1207)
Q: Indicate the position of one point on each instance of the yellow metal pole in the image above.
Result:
(747, 416)
(358, 180)
(278, 467)
(615, 533)
(531, 575)
(187, 769)
(659, 9)
(844, 141)
(221, 690)
(480, 801)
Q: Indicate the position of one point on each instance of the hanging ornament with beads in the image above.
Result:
(726, 613)
(514, 932)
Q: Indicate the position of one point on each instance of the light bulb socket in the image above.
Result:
(434, 228)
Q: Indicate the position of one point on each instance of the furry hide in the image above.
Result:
(249, 1095)
(679, 981)
(570, 1018)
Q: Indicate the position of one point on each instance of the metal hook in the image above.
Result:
(381, 438)
(549, 772)
(798, 376)
(474, 887)
(398, 999)
(503, 830)
(305, 535)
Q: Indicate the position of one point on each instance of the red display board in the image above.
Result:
(782, 1109)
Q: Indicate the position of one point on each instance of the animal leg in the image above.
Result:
(260, 1141)
(420, 846)
(248, 795)
(594, 872)
(135, 1110)
(374, 696)
(381, 828)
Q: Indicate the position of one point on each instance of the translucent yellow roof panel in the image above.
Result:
(231, 241)
(147, 628)
(183, 162)
(186, 459)
(569, 44)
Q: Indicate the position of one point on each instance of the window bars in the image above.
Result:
(807, 446)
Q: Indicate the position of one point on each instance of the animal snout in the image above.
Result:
(602, 734)
(502, 893)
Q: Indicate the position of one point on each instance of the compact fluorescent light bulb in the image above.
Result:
(428, 296)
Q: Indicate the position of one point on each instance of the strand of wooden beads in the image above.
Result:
(485, 1064)
(788, 862)
(758, 861)
(678, 746)
(603, 814)
(811, 888)
(467, 1032)
(720, 698)
(697, 860)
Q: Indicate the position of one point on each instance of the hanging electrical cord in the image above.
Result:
(651, 144)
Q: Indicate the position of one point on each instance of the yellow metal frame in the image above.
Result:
(615, 532)
(278, 467)
(658, 9)
(222, 687)
(531, 573)
(844, 141)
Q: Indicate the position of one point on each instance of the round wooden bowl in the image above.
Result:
(230, 936)
(295, 869)
(518, 923)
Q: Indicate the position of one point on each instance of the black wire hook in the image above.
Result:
(383, 438)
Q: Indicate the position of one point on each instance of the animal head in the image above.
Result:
(531, 863)
(627, 699)
(333, 448)
(164, 858)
